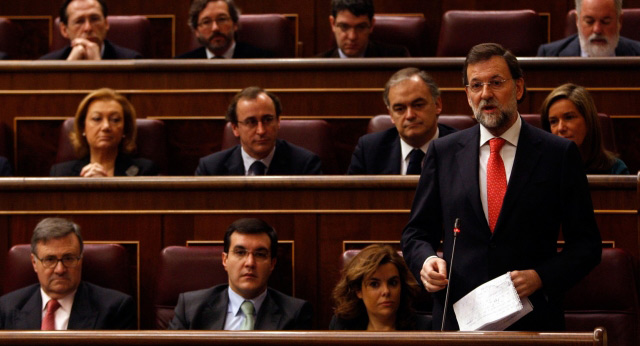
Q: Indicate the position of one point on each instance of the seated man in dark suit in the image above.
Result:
(250, 249)
(254, 115)
(413, 100)
(61, 300)
(215, 23)
(85, 24)
(352, 22)
(599, 23)
(3, 56)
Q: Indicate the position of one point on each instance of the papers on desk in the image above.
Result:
(494, 305)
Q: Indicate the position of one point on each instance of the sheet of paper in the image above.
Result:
(494, 305)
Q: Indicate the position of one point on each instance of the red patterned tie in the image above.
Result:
(496, 181)
(49, 320)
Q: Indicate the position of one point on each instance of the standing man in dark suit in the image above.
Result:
(598, 23)
(250, 249)
(215, 24)
(254, 115)
(514, 187)
(61, 301)
(352, 22)
(413, 100)
(84, 23)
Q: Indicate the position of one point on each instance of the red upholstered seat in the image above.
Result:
(150, 142)
(313, 135)
(408, 31)
(272, 32)
(10, 35)
(630, 23)
(383, 121)
(106, 265)
(520, 31)
(133, 32)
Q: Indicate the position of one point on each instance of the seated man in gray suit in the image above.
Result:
(413, 100)
(250, 249)
(61, 301)
(598, 23)
(254, 115)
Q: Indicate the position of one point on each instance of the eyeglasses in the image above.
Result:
(258, 255)
(359, 29)
(494, 84)
(68, 261)
(207, 22)
(252, 123)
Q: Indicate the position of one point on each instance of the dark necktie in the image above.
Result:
(257, 168)
(415, 161)
(49, 320)
(496, 181)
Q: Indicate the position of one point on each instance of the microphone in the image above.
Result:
(456, 230)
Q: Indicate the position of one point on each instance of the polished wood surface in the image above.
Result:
(597, 337)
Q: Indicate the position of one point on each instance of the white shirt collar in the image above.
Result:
(405, 148)
(65, 303)
(511, 135)
(227, 55)
(344, 56)
(235, 300)
(248, 160)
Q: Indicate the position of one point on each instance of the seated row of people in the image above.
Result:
(215, 23)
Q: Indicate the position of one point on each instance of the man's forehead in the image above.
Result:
(219, 5)
(83, 5)
(250, 241)
(496, 66)
(345, 16)
(68, 243)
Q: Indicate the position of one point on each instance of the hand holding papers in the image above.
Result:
(494, 305)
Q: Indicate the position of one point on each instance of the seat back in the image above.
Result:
(150, 142)
(133, 32)
(383, 121)
(607, 297)
(313, 135)
(10, 34)
(408, 31)
(189, 268)
(105, 265)
(630, 23)
(606, 126)
(272, 32)
(520, 31)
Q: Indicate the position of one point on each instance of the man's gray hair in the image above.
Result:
(53, 228)
(616, 3)
(408, 73)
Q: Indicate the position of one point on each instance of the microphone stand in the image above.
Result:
(456, 230)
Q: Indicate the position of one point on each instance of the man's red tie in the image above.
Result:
(496, 181)
(49, 320)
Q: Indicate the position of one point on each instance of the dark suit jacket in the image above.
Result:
(547, 192)
(125, 166)
(111, 52)
(288, 159)
(242, 51)
(3, 56)
(375, 49)
(94, 307)
(207, 310)
(422, 322)
(570, 46)
(380, 152)
(5, 167)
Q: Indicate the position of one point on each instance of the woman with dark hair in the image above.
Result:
(103, 136)
(569, 112)
(375, 293)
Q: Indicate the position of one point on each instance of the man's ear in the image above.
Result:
(63, 30)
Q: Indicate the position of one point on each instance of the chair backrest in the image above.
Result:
(313, 135)
(106, 265)
(189, 268)
(10, 34)
(272, 32)
(607, 297)
(408, 31)
(606, 125)
(133, 32)
(520, 31)
(383, 121)
(630, 23)
(150, 142)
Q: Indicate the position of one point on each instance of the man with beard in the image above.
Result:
(513, 187)
(598, 23)
(84, 23)
(215, 23)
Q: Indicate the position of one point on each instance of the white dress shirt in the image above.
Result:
(248, 160)
(64, 311)
(235, 316)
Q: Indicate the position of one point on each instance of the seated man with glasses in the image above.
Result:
(61, 300)
(254, 115)
(215, 23)
(352, 22)
(246, 303)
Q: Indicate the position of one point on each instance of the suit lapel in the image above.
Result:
(269, 315)
(395, 156)
(83, 313)
(235, 165)
(215, 314)
(30, 317)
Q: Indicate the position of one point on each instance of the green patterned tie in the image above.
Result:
(248, 309)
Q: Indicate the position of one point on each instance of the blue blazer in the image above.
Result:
(547, 192)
